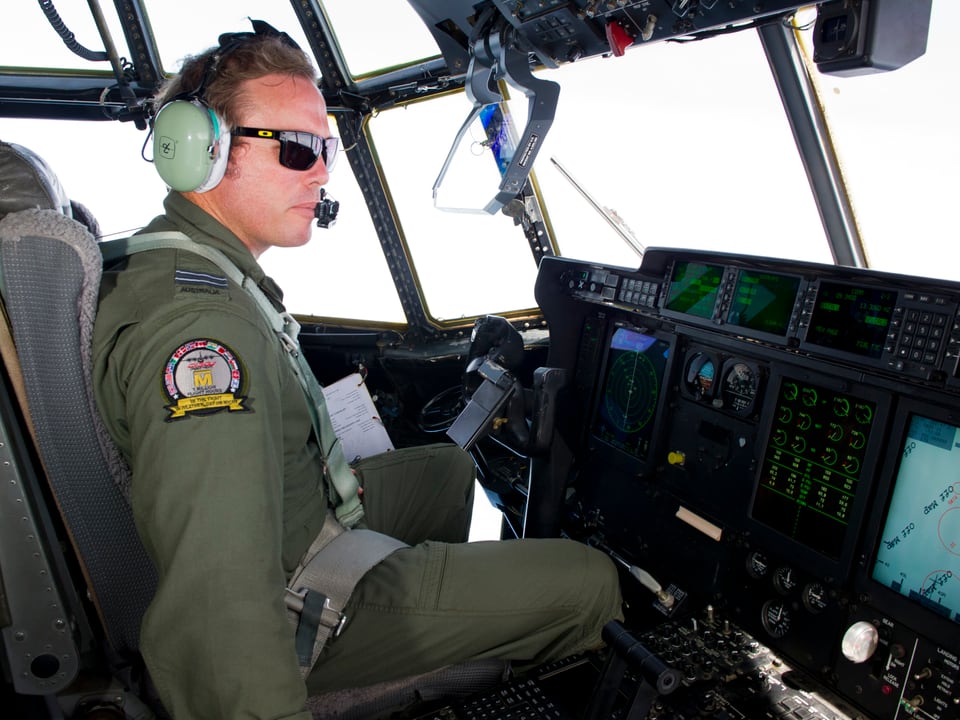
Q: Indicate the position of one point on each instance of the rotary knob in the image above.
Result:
(860, 641)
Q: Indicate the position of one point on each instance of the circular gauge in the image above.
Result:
(857, 439)
(775, 617)
(784, 580)
(841, 406)
(863, 413)
(790, 391)
(739, 387)
(700, 375)
(757, 565)
(815, 598)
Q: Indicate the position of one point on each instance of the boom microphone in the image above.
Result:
(326, 210)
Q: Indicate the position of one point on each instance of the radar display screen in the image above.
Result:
(852, 319)
(694, 288)
(812, 465)
(919, 547)
(631, 390)
(763, 301)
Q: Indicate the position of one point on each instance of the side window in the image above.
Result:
(99, 164)
(341, 272)
(468, 263)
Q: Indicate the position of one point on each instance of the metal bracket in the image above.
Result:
(496, 54)
(38, 641)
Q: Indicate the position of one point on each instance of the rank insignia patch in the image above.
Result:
(202, 377)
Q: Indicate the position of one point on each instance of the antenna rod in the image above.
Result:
(611, 216)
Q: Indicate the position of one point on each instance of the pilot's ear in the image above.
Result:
(238, 151)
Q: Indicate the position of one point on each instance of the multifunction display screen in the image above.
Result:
(812, 465)
(763, 301)
(694, 288)
(919, 546)
(852, 319)
(632, 386)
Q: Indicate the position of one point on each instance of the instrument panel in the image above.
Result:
(780, 441)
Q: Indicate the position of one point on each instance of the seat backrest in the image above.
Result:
(51, 267)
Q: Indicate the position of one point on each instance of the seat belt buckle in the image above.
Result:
(313, 610)
(341, 618)
(298, 602)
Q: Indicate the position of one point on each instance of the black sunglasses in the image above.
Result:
(299, 150)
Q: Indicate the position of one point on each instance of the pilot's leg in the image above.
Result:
(436, 604)
(420, 493)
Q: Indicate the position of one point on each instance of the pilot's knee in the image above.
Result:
(602, 586)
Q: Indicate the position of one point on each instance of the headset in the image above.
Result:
(191, 142)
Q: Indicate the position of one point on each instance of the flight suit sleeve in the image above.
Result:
(203, 395)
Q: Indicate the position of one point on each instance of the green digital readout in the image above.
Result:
(694, 288)
(763, 301)
(852, 319)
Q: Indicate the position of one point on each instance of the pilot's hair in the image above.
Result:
(216, 83)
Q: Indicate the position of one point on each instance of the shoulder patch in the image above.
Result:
(202, 377)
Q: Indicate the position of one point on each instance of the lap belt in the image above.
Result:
(338, 557)
(335, 562)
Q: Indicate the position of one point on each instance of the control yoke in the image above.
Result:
(498, 404)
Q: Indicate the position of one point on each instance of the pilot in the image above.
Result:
(229, 487)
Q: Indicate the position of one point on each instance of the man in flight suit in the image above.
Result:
(228, 493)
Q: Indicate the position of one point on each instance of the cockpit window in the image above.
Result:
(370, 47)
(896, 134)
(27, 38)
(187, 27)
(467, 263)
(341, 272)
(688, 144)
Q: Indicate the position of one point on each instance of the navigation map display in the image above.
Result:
(919, 548)
(631, 391)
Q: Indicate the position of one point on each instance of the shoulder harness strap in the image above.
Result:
(342, 482)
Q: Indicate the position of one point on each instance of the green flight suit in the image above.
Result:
(228, 493)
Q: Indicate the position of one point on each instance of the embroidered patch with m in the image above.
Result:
(202, 377)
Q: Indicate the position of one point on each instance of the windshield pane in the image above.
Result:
(399, 39)
(689, 144)
(468, 263)
(45, 48)
(341, 272)
(188, 27)
(897, 137)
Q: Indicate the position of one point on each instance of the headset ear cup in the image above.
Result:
(190, 146)
(221, 153)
